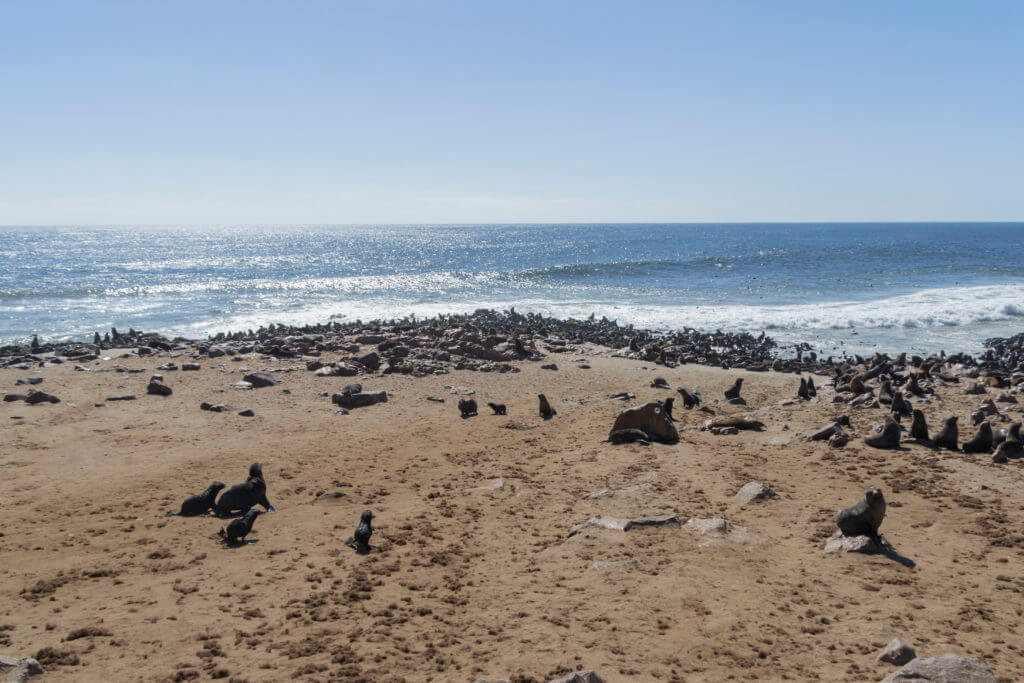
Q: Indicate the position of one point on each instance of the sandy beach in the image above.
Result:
(476, 575)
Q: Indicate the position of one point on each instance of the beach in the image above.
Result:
(485, 566)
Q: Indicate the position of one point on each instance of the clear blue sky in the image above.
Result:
(352, 112)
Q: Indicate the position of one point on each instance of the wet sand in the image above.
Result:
(475, 577)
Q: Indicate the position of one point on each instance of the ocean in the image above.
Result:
(860, 288)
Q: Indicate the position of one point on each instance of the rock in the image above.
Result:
(189, 367)
(944, 669)
(259, 380)
(838, 440)
(168, 367)
(896, 652)
(649, 418)
(18, 669)
(724, 431)
(338, 370)
(659, 383)
(495, 485)
(579, 677)
(622, 565)
(247, 413)
(241, 385)
(370, 360)
(755, 491)
(330, 497)
(359, 399)
(158, 388)
(435, 399)
(619, 524)
(29, 380)
(856, 544)
(35, 397)
(126, 397)
(825, 432)
(549, 366)
(715, 526)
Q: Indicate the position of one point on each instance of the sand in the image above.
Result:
(476, 576)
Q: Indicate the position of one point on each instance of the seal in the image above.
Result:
(863, 518)
(361, 538)
(467, 407)
(631, 435)
(1001, 435)
(900, 406)
(498, 408)
(950, 434)
(667, 406)
(811, 390)
(199, 503)
(887, 437)
(802, 392)
(690, 401)
(982, 441)
(919, 428)
(239, 528)
(546, 411)
(733, 392)
(242, 497)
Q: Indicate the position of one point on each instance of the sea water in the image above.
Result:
(842, 287)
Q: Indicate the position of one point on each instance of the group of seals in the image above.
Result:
(807, 389)
(468, 408)
(864, 517)
(240, 498)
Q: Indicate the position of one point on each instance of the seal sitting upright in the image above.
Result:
(546, 411)
(361, 539)
(863, 518)
(199, 503)
(242, 497)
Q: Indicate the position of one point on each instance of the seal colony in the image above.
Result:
(468, 537)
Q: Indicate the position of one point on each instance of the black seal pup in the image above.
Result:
(802, 392)
(667, 405)
(498, 408)
(887, 437)
(199, 503)
(546, 411)
(242, 497)
(982, 441)
(918, 427)
(631, 435)
(361, 538)
(467, 407)
(690, 401)
(863, 518)
(239, 528)
(949, 435)
(732, 394)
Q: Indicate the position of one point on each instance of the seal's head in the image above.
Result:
(874, 495)
(256, 470)
(366, 517)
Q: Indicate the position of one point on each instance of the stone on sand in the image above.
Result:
(18, 669)
(755, 491)
(579, 677)
(944, 669)
(260, 379)
(622, 524)
(896, 652)
(856, 544)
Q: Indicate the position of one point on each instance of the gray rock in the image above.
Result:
(189, 367)
(620, 524)
(896, 652)
(158, 388)
(30, 380)
(755, 491)
(856, 544)
(260, 379)
(241, 385)
(579, 677)
(18, 669)
(944, 669)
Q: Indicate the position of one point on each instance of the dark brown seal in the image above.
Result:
(361, 538)
(887, 437)
(949, 436)
(863, 518)
(546, 411)
(498, 408)
(199, 503)
(733, 392)
(467, 407)
(919, 428)
(982, 441)
(242, 497)
(239, 528)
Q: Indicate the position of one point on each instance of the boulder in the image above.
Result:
(755, 491)
(35, 397)
(944, 669)
(579, 677)
(186, 367)
(896, 652)
(649, 418)
(18, 669)
(620, 524)
(260, 379)
(158, 388)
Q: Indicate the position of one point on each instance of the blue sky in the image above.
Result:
(353, 112)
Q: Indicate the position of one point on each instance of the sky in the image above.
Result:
(450, 112)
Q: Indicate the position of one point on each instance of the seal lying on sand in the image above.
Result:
(949, 436)
(361, 539)
(887, 437)
(863, 518)
(621, 436)
(200, 503)
(498, 408)
(467, 407)
(546, 411)
(242, 497)
(239, 528)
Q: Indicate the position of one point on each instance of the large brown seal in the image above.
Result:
(863, 518)
(242, 497)
(949, 436)
(199, 503)
(982, 442)
(887, 437)
(919, 428)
